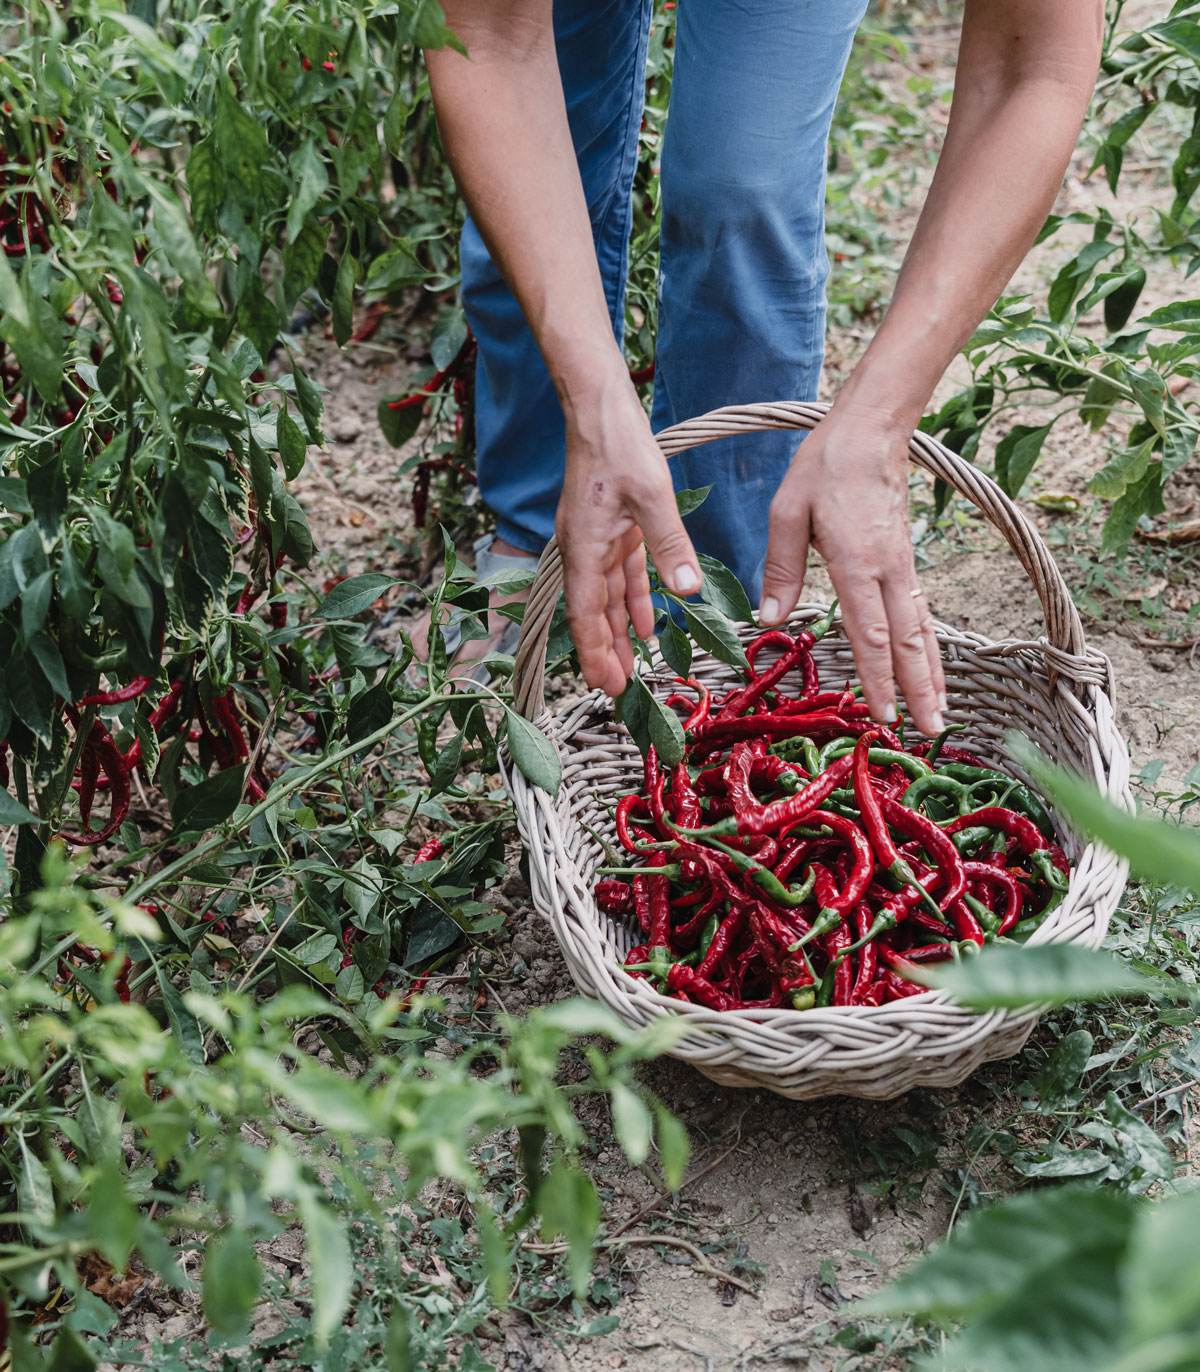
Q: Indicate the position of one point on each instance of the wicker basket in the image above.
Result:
(1056, 691)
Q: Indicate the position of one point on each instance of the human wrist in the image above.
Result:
(588, 375)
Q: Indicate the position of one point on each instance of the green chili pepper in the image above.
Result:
(826, 922)
(914, 766)
(937, 783)
(766, 880)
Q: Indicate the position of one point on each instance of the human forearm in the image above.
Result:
(503, 122)
(1025, 74)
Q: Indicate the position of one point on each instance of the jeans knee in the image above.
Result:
(770, 228)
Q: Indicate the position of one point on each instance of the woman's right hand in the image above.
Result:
(617, 492)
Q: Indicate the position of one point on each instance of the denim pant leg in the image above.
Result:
(519, 425)
(742, 281)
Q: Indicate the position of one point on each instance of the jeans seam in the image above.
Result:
(625, 175)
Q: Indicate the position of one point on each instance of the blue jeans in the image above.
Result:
(743, 267)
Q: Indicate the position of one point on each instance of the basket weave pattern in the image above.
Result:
(1056, 691)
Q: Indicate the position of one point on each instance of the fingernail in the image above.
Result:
(890, 715)
(938, 723)
(687, 579)
(943, 704)
(768, 611)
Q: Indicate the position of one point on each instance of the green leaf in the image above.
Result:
(312, 407)
(1124, 468)
(1181, 34)
(35, 1191)
(206, 184)
(676, 648)
(208, 803)
(13, 812)
(1017, 453)
(1144, 497)
(69, 1354)
(1001, 1251)
(1156, 850)
(1181, 315)
(723, 591)
(394, 268)
(632, 1123)
(316, 948)
(185, 1027)
(343, 299)
(302, 259)
(292, 447)
(715, 634)
(1011, 977)
(331, 1264)
(687, 501)
(449, 334)
(398, 425)
(568, 1205)
(112, 1216)
(673, 1146)
(368, 712)
(666, 732)
(352, 596)
(1062, 1070)
(1162, 1272)
(311, 183)
(232, 1277)
(632, 709)
(533, 752)
(395, 117)
(257, 316)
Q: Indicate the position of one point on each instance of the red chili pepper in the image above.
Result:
(860, 850)
(433, 849)
(837, 941)
(711, 737)
(136, 687)
(1025, 831)
(1014, 891)
(699, 711)
(112, 764)
(936, 842)
(226, 717)
(680, 977)
(867, 957)
(686, 811)
(738, 702)
(718, 949)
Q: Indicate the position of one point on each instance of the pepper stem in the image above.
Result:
(672, 870)
(905, 875)
(826, 922)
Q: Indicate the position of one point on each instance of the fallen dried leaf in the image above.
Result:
(1187, 532)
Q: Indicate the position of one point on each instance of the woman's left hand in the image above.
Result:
(846, 494)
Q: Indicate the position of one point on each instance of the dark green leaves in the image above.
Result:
(533, 752)
(649, 721)
(208, 803)
(1017, 453)
(715, 634)
(352, 596)
(231, 1280)
(1036, 1278)
(723, 591)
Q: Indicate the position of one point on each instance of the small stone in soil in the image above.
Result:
(346, 428)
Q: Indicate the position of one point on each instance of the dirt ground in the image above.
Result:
(789, 1188)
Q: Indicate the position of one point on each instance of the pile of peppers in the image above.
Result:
(800, 855)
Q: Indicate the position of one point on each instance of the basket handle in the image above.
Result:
(1063, 626)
